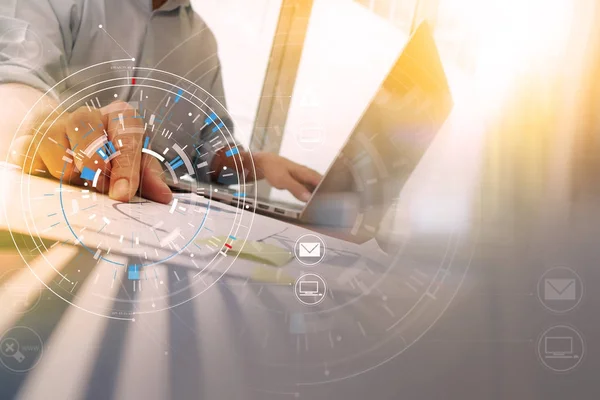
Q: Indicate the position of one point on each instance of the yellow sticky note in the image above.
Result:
(263, 253)
(271, 275)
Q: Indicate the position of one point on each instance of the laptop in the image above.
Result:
(383, 149)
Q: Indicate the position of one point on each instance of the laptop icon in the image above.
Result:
(558, 347)
(309, 288)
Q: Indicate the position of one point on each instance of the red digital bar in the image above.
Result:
(133, 81)
(228, 245)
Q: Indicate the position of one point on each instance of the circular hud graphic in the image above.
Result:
(377, 303)
(145, 256)
(150, 257)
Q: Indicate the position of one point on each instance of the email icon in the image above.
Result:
(560, 289)
(310, 249)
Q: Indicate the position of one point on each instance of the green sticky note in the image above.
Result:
(264, 274)
(250, 250)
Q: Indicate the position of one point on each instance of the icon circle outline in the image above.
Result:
(297, 246)
(297, 287)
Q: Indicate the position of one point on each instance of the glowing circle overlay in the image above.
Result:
(198, 272)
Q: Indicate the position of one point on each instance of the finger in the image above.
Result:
(305, 175)
(19, 155)
(87, 138)
(54, 150)
(296, 188)
(24, 149)
(125, 131)
(152, 185)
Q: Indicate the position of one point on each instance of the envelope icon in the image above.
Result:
(310, 249)
(560, 289)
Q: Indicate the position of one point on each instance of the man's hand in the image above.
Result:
(285, 174)
(81, 132)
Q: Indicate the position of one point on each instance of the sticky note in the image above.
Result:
(259, 252)
(265, 274)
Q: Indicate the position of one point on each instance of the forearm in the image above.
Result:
(20, 107)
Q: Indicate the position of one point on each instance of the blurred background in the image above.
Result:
(514, 168)
(522, 74)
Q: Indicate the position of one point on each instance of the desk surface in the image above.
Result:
(447, 316)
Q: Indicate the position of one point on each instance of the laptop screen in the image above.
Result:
(391, 136)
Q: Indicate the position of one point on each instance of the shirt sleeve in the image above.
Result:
(34, 38)
(211, 136)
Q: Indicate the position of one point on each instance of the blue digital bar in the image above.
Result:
(87, 174)
(232, 152)
(175, 161)
(101, 153)
(146, 141)
(239, 194)
(179, 93)
(219, 126)
(177, 165)
(297, 324)
(210, 118)
(111, 147)
(133, 272)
